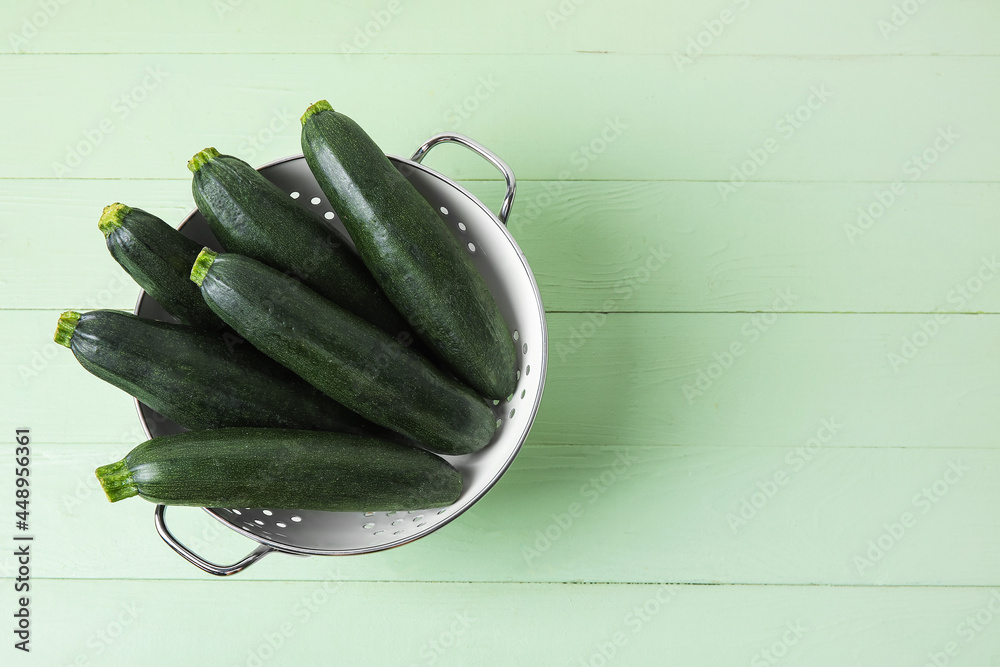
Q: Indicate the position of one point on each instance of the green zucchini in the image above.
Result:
(158, 257)
(343, 356)
(199, 379)
(419, 263)
(282, 469)
(253, 217)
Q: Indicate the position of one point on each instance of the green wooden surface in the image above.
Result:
(827, 496)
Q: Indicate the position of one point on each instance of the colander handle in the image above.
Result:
(198, 561)
(483, 152)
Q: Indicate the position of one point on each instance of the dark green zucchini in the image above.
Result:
(199, 379)
(159, 258)
(253, 217)
(418, 262)
(282, 469)
(343, 356)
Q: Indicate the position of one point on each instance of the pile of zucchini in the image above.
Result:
(310, 375)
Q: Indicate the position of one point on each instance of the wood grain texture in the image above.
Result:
(656, 379)
(749, 515)
(805, 395)
(380, 27)
(97, 622)
(594, 117)
(599, 246)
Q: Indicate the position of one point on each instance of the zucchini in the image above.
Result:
(419, 263)
(343, 356)
(158, 257)
(199, 379)
(254, 217)
(282, 469)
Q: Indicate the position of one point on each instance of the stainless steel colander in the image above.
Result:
(506, 271)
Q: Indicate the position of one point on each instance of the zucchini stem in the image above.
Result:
(201, 157)
(116, 480)
(202, 263)
(66, 327)
(322, 105)
(111, 218)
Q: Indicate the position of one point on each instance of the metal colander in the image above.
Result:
(506, 271)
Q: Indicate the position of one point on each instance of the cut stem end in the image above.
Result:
(322, 105)
(202, 264)
(116, 480)
(111, 218)
(202, 157)
(66, 327)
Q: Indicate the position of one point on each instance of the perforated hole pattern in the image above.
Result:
(509, 279)
(373, 523)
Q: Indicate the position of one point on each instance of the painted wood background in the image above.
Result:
(782, 439)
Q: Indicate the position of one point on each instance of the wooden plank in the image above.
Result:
(727, 379)
(591, 244)
(608, 117)
(655, 379)
(99, 622)
(870, 545)
(793, 513)
(442, 26)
